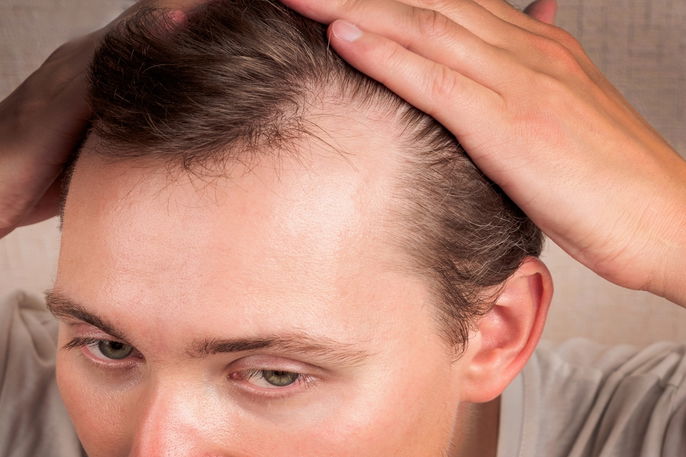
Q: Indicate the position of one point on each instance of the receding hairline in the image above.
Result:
(372, 120)
(462, 229)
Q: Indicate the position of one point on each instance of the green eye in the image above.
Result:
(114, 350)
(280, 378)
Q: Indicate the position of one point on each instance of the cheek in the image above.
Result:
(96, 417)
(415, 419)
(409, 420)
(405, 412)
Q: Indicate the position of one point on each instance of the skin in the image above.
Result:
(473, 65)
(288, 246)
(641, 206)
(562, 128)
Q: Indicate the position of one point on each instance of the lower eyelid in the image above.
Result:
(86, 352)
(304, 382)
(122, 366)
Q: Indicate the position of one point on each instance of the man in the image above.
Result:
(287, 295)
(309, 254)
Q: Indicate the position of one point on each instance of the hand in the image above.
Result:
(41, 124)
(539, 118)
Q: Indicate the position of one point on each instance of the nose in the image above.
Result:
(178, 420)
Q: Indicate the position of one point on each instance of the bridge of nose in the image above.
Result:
(180, 418)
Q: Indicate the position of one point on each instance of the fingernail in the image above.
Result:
(346, 31)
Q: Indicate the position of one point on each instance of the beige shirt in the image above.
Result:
(580, 399)
(33, 420)
(583, 399)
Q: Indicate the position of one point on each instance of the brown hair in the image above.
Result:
(238, 77)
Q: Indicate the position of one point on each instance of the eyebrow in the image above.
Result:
(323, 348)
(62, 307)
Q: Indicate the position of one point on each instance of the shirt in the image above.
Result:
(580, 399)
(33, 419)
(583, 399)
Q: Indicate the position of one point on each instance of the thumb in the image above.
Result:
(543, 10)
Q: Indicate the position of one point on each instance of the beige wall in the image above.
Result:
(640, 45)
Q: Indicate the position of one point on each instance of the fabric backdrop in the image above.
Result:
(639, 44)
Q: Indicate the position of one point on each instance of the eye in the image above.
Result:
(265, 377)
(113, 350)
(274, 378)
(270, 383)
(104, 351)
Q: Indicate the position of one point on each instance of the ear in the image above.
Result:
(507, 335)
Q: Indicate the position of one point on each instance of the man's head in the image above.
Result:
(249, 207)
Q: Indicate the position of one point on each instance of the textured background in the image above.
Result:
(639, 44)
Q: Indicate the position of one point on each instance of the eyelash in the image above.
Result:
(92, 343)
(303, 381)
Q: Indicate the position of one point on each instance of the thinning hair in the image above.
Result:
(241, 77)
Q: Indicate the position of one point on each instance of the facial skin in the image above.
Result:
(290, 250)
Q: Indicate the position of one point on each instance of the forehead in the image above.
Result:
(306, 236)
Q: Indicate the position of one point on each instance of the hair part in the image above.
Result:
(243, 77)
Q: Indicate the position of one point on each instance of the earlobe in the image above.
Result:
(507, 335)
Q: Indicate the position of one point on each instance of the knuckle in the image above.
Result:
(545, 45)
(434, 4)
(442, 85)
(432, 24)
(559, 56)
(390, 54)
(566, 39)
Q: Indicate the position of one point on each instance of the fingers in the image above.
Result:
(43, 127)
(503, 27)
(548, 50)
(498, 8)
(486, 18)
(543, 10)
(434, 36)
(493, 21)
(462, 35)
(450, 97)
(394, 18)
(45, 119)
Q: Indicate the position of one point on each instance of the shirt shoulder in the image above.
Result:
(33, 419)
(584, 399)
